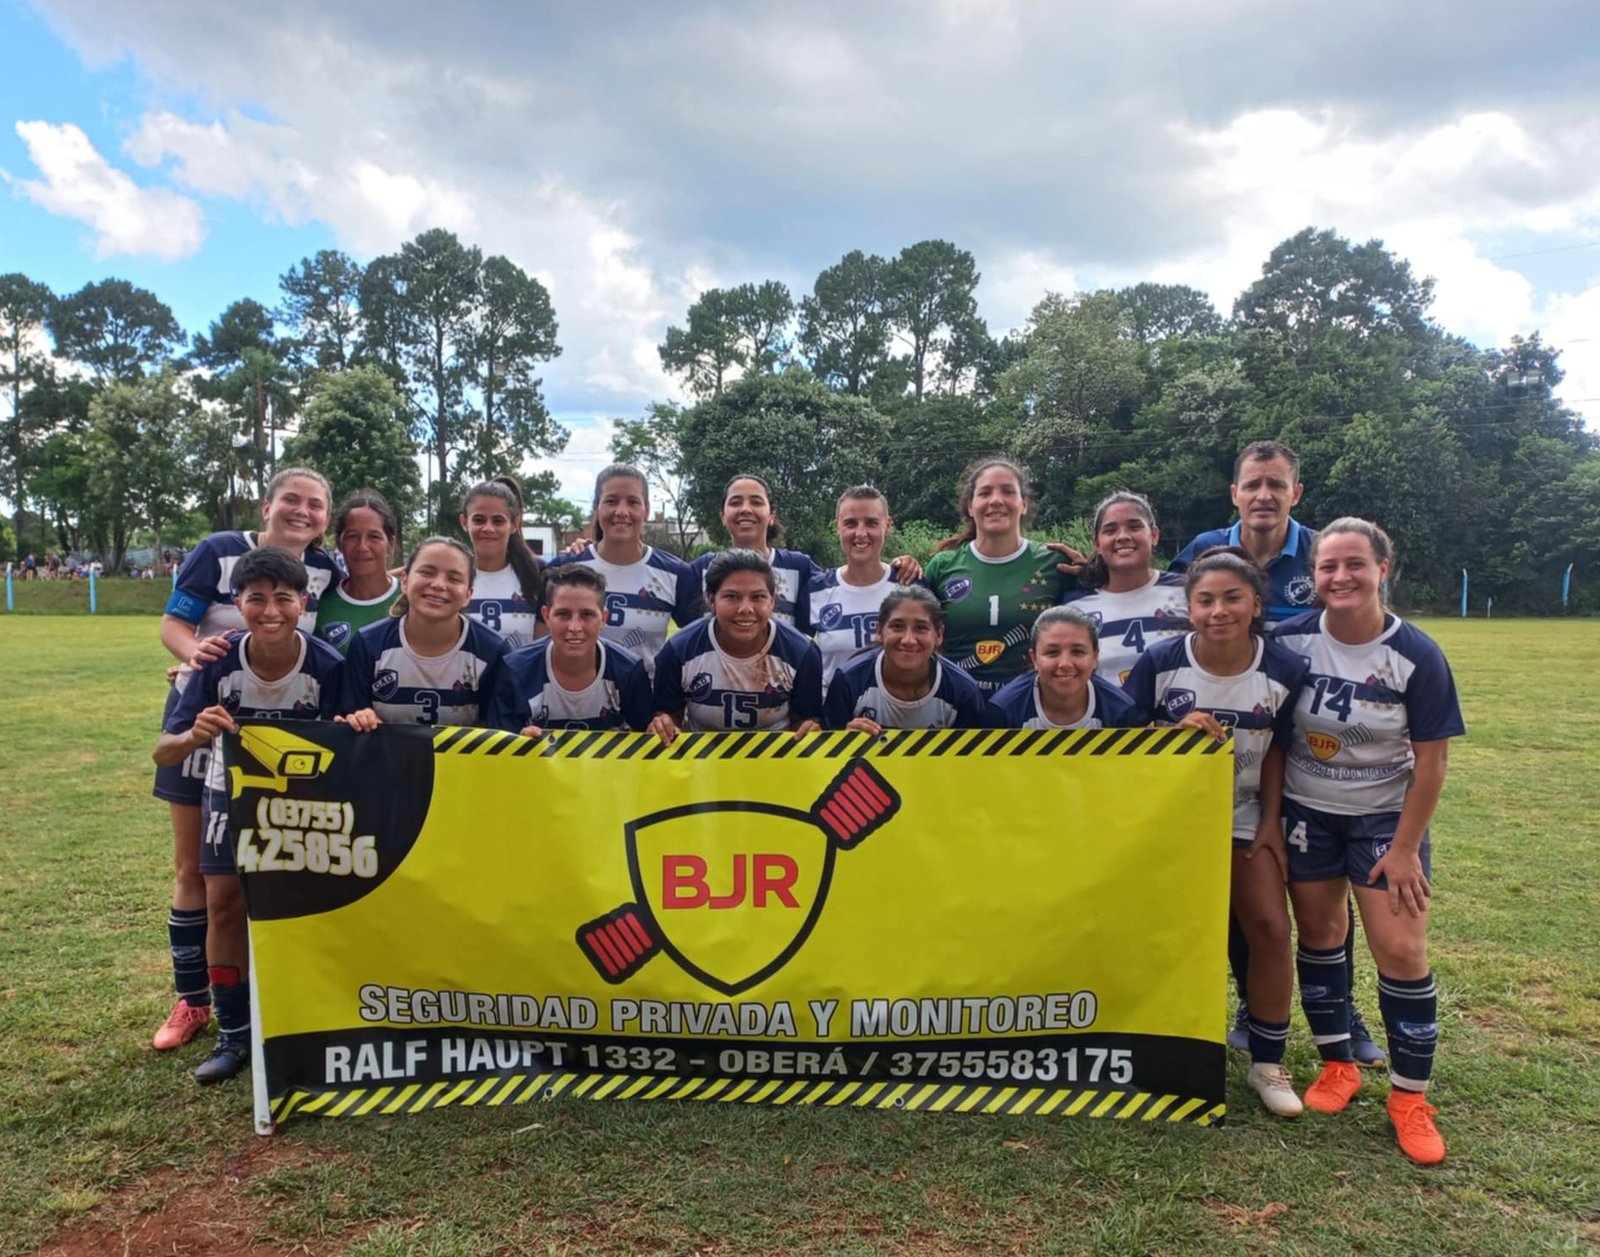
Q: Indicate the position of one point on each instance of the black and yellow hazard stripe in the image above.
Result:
(918, 1096)
(774, 744)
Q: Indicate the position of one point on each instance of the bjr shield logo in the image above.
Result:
(731, 890)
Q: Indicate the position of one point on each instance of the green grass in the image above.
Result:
(98, 1132)
(116, 595)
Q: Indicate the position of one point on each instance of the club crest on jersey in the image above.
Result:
(385, 683)
(1323, 745)
(988, 651)
(700, 686)
(1178, 703)
(338, 633)
(956, 588)
(731, 890)
(830, 615)
(1097, 618)
(1299, 591)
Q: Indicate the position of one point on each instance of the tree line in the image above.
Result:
(884, 373)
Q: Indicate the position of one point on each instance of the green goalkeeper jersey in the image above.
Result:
(340, 617)
(990, 606)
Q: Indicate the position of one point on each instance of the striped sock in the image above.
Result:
(1410, 1009)
(1325, 997)
(232, 996)
(1267, 1040)
(186, 935)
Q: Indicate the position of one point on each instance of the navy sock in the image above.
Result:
(1410, 1008)
(1267, 1040)
(186, 935)
(1325, 997)
(231, 993)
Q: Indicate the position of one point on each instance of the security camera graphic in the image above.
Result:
(730, 890)
(284, 755)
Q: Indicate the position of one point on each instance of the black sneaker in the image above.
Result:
(224, 1062)
(1367, 1052)
(1239, 1032)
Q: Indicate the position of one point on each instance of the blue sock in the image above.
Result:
(231, 994)
(1410, 1009)
(1325, 997)
(186, 935)
(1267, 1040)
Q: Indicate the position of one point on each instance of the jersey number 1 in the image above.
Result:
(994, 610)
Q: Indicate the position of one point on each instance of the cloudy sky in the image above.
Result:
(633, 154)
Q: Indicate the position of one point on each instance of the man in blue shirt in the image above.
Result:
(1266, 487)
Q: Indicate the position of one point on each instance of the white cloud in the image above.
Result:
(79, 183)
(1571, 323)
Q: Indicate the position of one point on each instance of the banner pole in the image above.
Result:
(91, 591)
(11, 602)
(258, 1055)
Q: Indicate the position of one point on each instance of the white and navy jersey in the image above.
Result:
(203, 595)
(1362, 708)
(641, 597)
(310, 692)
(1130, 623)
(1017, 706)
(528, 694)
(776, 689)
(497, 604)
(792, 572)
(844, 617)
(1257, 706)
(403, 687)
(954, 702)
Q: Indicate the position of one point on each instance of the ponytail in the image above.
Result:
(524, 562)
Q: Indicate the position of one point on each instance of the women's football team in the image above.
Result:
(1341, 716)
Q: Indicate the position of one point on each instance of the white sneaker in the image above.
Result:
(1276, 1089)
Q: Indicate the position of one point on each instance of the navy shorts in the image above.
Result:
(1325, 845)
(185, 782)
(216, 836)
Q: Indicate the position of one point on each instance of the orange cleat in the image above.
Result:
(1412, 1116)
(1335, 1087)
(184, 1022)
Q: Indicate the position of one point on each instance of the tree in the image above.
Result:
(116, 330)
(1157, 312)
(1076, 390)
(248, 373)
(706, 351)
(462, 339)
(809, 442)
(653, 445)
(221, 464)
(930, 288)
(135, 442)
(844, 323)
(762, 314)
(24, 306)
(322, 304)
(356, 432)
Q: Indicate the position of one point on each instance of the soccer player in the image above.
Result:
(752, 522)
(903, 683)
(272, 670)
(845, 601)
(1224, 677)
(366, 532)
(428, 663)
(573, 678)
(645, 587)
(1065, 688)
(506, 590)
(740, 667)
(1132, 604)
(1366, 765)
(1266, 488)
(991, 580)
(294, 517)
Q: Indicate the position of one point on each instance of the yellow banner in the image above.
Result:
(992, 921)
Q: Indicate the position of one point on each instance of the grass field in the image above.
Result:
(106, 1146)
(115, 595)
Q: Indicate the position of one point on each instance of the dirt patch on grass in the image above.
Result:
(194, 1213)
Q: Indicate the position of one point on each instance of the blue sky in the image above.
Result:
(633, 158)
